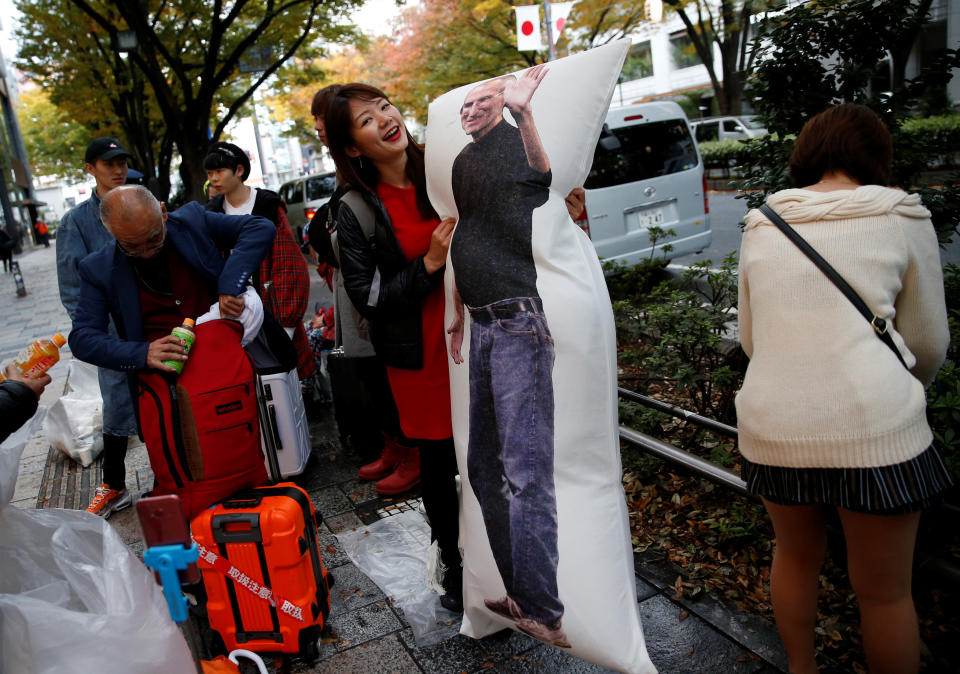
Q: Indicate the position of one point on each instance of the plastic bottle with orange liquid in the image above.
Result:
(39, 356)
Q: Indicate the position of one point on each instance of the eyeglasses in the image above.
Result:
(146, 248)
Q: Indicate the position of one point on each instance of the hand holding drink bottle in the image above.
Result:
(34, 361)
(185, 336)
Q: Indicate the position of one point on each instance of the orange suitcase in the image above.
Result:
(267, 588)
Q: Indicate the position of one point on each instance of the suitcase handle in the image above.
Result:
(237, 528)
(243, 500)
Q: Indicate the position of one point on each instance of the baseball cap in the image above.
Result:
(104, 148)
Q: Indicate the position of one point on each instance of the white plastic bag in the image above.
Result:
(73, 598)
(393, 554)
(10, 451)
(74, 422)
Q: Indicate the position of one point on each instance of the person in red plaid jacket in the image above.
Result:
(283, 279)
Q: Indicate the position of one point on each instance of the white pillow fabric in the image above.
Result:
(572, 344)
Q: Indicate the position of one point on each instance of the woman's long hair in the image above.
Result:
(363, 175)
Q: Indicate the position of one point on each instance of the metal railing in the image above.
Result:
(667, 452)
(678, 412)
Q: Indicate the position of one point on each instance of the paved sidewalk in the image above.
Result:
(367, 632)
(37, 315)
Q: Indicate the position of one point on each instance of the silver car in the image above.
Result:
(731, 127)
(647, 172)
(304, 195)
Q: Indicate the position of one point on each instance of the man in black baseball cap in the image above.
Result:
(104, 148)
(81, 232)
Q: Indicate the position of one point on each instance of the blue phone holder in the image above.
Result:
(167, 560)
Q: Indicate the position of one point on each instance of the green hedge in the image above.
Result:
(942, 132)
(722, 153)
(937, 137)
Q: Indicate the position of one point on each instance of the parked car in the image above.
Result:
(647, 172)
(728, 128)
(304, 195)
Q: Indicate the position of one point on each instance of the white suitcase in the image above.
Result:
(286, 422)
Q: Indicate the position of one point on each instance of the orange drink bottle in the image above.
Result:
(39, 356)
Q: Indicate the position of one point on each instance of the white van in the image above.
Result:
(646, 172)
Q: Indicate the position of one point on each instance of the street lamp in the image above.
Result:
(126, 41)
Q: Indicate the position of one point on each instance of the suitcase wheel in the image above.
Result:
(309, 643)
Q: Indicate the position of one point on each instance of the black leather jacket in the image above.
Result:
(392, 298)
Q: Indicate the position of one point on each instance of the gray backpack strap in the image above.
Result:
(367, 219)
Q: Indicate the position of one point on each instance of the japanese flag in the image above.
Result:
(528, 28)
(559, 11)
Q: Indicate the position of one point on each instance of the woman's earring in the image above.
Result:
(360, 159)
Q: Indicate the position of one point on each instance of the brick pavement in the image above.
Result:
(368, 633)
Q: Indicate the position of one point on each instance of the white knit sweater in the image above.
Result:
(821, 389)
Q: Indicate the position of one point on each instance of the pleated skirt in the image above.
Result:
(895, 489)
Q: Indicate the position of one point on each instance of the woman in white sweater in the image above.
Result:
(828, 416)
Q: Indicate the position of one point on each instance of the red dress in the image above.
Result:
(422, 396)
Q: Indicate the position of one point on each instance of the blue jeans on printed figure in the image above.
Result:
(510, 453)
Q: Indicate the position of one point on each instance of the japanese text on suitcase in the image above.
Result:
(267, 587)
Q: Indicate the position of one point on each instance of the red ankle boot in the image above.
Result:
(404, 478)
(393, 454)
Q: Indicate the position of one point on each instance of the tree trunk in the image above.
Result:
(733, 93)
(193, 145)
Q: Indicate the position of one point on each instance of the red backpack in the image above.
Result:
(201, 428)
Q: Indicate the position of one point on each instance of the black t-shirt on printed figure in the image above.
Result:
(496, 192)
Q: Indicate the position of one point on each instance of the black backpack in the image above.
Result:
(323, 224)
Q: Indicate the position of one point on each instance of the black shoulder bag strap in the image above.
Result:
(879, 324)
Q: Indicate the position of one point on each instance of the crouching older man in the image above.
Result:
(161, 269)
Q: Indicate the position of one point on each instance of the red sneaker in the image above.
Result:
(108, 500)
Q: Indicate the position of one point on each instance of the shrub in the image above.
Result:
(943, 396)
(941, 133)
(678, 338)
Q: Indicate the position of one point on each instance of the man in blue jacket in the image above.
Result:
(80, 234)
(161, 269)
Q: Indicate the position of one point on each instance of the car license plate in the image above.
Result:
(652, 217)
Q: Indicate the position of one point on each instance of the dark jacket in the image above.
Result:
(108, 286)
(265, 205)
(392, 298)
(18, 403)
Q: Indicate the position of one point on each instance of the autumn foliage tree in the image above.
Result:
(55, 141)
(187, 61)
(87, 90)
(438, 45)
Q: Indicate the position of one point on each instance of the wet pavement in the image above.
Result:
(367, 631)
